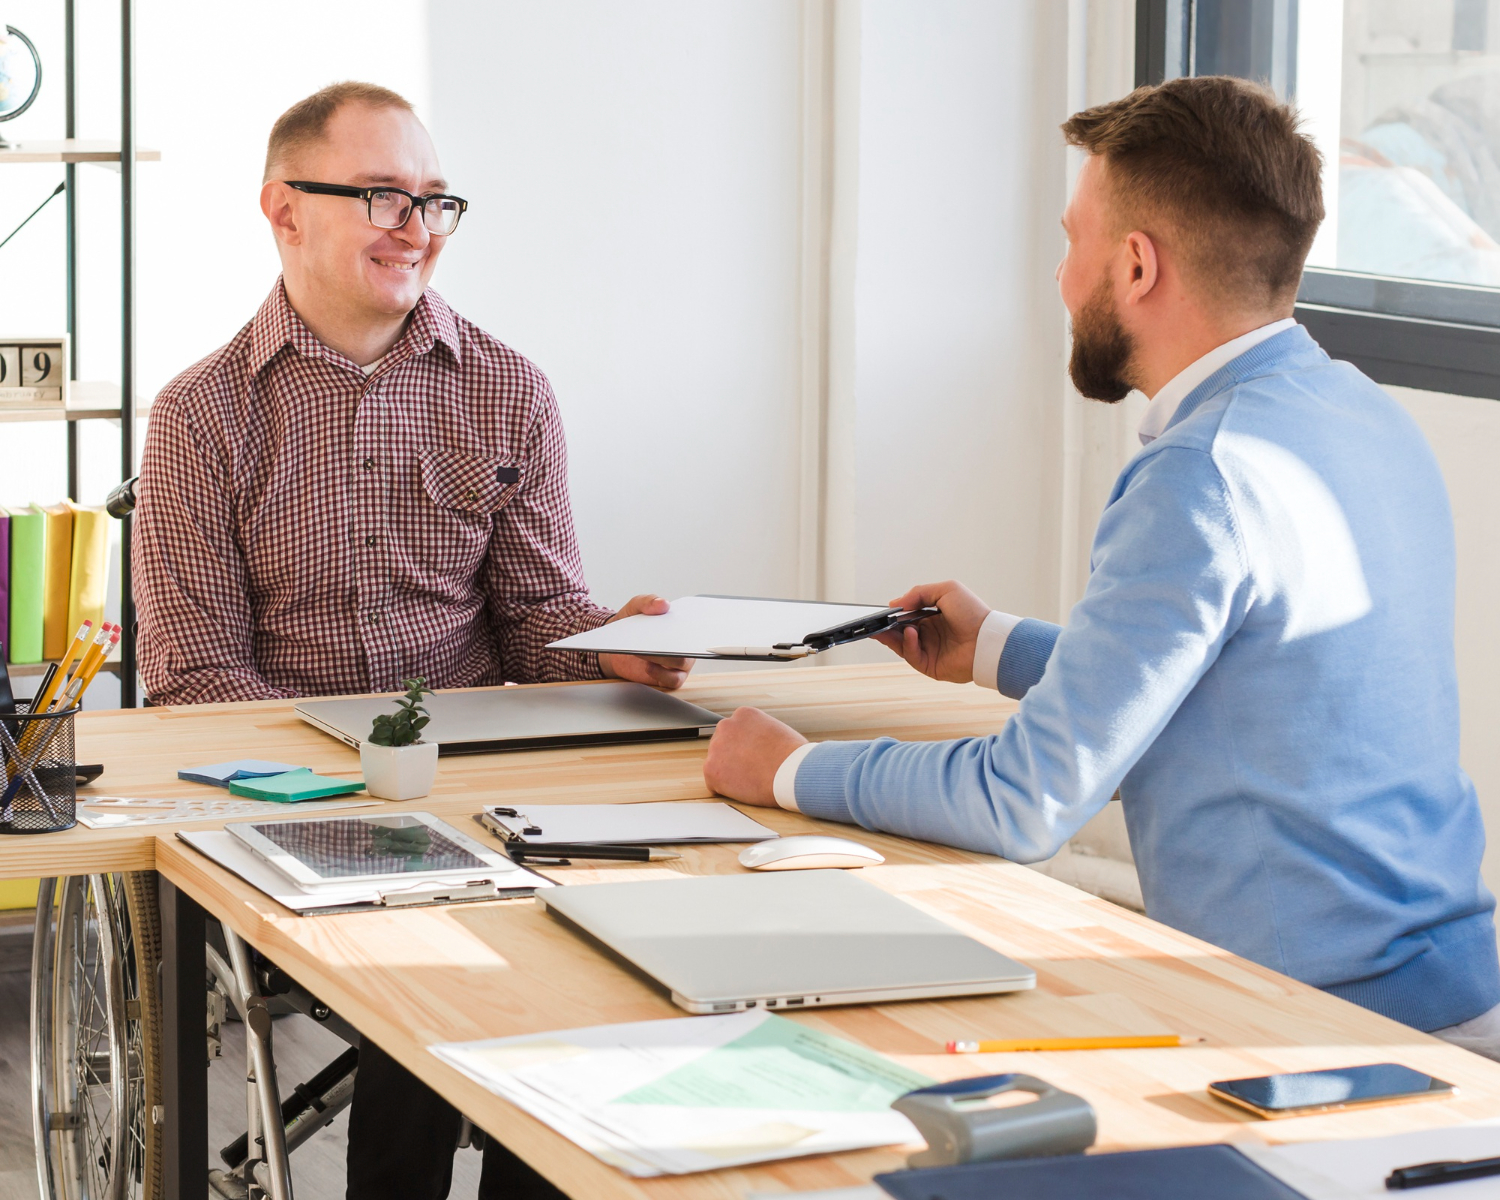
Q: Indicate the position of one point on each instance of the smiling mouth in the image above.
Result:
(394, 264)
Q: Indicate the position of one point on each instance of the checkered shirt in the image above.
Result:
(304, 530)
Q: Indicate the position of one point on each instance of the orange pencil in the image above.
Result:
(60, 676)
(95, 653)
(88, 676)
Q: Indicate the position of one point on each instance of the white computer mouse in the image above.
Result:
(806, 852)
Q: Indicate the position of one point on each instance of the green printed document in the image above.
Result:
(698, 1093)
(300, 784)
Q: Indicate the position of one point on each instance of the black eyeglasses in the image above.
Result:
(391, 208)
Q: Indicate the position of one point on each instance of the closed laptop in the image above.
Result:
(795, 939)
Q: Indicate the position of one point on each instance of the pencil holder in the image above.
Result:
(38, 771)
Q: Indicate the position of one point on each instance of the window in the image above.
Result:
(1403, 98)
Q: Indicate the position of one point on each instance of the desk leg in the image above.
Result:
(184, 1046)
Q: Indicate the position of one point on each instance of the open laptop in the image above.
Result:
(803, 939)
(484, 720)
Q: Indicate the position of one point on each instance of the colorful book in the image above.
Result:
(90, 567)
(57, 569)
(4, 576)
(28, 536)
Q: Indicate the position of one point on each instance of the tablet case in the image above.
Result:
(1216, 1172)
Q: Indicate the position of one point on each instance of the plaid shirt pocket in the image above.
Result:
(475, 483)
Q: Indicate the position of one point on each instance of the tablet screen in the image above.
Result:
(342, 847)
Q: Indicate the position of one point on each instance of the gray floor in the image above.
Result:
(302, 1048)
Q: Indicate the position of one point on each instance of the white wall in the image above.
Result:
(960, 333)
(632, 172)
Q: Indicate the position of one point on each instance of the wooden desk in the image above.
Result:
(409, 979)
(142, 750)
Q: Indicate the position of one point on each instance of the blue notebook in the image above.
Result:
(1187, 1172)
(225, 773)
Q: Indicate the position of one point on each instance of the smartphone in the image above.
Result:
(1306, 1092)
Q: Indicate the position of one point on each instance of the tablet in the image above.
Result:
(348, 851)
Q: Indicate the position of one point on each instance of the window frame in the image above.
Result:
(1404, 332)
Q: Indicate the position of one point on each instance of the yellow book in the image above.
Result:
(57, 568)
(90, 566)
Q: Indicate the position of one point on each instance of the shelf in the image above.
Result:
(86, 402)
(70, 150)
(35, 670)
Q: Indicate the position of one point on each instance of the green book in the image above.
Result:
(28, 544)
(293, 786)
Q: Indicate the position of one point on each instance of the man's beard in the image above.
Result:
(1102, 349)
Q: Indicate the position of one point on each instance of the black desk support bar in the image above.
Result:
(184, 1047)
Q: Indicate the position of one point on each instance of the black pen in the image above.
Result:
(587, 850)
(1428, 1174)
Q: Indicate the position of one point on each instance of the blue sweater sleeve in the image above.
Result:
(1024, 659)
(1170, 585)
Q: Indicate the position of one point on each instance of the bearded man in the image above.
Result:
(1262, 663)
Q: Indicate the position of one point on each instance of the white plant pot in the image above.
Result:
(398, 772)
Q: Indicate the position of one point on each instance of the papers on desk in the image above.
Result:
(696, 625)
(1355, 1168)
(673, 823)
(232, 854)
(697, 1093)
(118, 812)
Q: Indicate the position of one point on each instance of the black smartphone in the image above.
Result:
(1328, 1091)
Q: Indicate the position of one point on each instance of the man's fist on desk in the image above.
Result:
(744, 754)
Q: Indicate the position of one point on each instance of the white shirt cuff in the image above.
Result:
(784, 787)
(988, 647)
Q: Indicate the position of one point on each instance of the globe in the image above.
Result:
(20, 73)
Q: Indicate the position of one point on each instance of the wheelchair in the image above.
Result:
(96, 1048)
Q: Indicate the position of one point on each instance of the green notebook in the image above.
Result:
(293, 786)
(28, 535)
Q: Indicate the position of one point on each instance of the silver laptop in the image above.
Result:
(795, 939)
(526, 718)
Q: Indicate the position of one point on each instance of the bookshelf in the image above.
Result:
(96, 401)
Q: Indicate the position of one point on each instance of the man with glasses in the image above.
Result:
(362, 487)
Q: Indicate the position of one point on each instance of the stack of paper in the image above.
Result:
(1355, 1169)
(697, 1093)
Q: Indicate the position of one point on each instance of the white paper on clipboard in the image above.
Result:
(696, 624)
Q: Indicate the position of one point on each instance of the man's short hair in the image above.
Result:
(1216, 168)
(305, 122)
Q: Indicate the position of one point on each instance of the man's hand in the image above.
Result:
(668, 673)
(941, 646)
(743, 756)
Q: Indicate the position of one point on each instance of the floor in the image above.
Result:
(302, 1047)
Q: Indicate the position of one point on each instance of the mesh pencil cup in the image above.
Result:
(38, 771)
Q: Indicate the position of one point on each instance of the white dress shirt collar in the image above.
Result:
(1164, 404)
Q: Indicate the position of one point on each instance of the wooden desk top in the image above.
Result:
(409, 979)
(142, 750)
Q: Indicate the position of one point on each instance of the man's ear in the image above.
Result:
(1142, 269)
(276, 203)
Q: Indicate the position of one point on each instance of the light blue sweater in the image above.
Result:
(1263, 666)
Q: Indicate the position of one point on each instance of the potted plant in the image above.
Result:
(397, 764)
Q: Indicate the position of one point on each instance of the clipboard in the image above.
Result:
(743, 629)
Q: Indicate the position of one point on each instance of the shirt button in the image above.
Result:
(471, 495)
(374, 618)
(370, 541)
(368, 464)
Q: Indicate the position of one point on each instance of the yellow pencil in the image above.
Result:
(98, 665)
(94, 654)
(60, 676)
(1005, 1046)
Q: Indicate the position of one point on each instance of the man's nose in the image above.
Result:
(415, 232)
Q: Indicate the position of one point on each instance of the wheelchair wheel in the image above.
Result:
(96, 1030)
